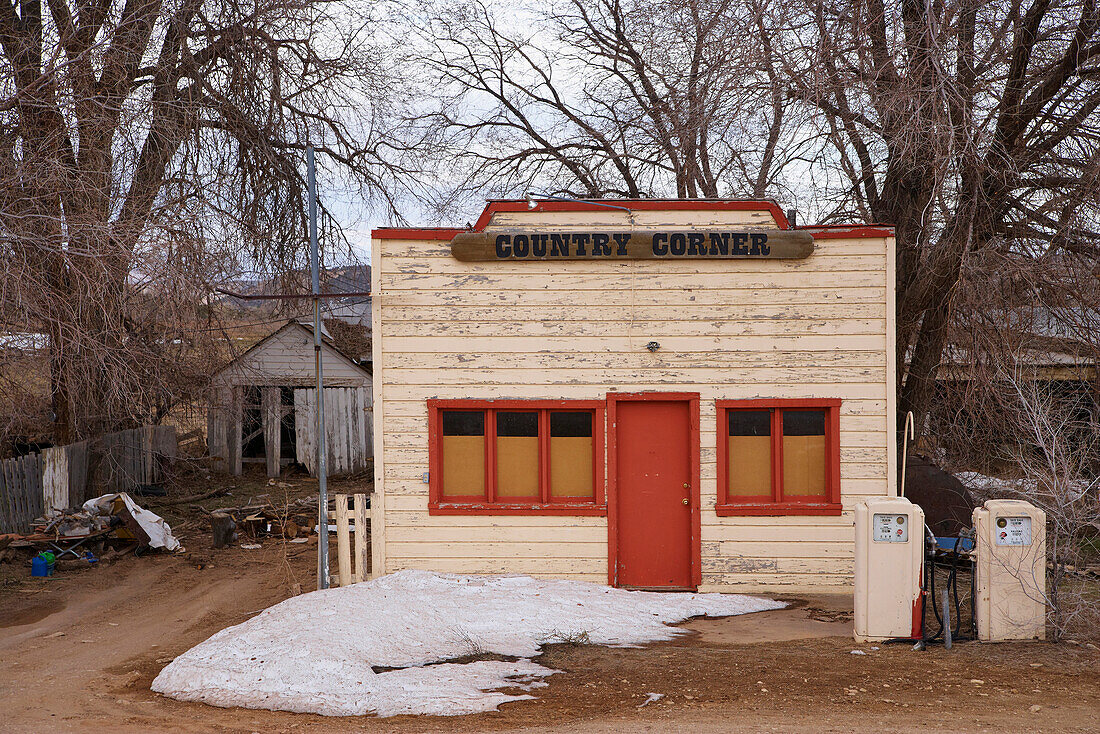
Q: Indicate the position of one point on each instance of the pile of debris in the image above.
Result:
(110, 525)
(254, 521)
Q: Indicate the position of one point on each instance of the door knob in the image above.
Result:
(687, 486)
(685, 500)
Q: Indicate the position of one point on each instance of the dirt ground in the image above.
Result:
(78, 652)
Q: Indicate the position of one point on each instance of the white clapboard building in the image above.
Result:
(653, 394)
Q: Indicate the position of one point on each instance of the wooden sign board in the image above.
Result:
(708, 244)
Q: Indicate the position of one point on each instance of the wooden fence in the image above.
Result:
(59, 478)
(349, 572)
(21, 498)
(136, 457)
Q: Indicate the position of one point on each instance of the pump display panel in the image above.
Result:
(1013, 531)
(890, 528)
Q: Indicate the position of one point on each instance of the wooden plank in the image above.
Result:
(558, 295)
(343, 540)
(366, 424)
(655, 315)
(615, 344)
(235, 428)
(348, 431)
(485, 545)
(7, 522)
(342, 429)
(844, 391)
(304, 428)
(55, 478)
(148, 454)
(545, 566)
(331, 449)
(596, 328)
(852, 408)
(789, 582)
(78, 473)
(34, 485)
(15, 493)
(345, 430)
(564, 533)
(515, 286)
(270, 398)
(522, 375)
(25, 507)
(362, 535)
(787, 547)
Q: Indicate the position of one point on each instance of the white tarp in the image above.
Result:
(160, 535)
(318, 652)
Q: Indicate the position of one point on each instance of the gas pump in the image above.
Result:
(888, 565)
(1010, 599)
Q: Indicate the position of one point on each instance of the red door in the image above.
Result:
(654, 497)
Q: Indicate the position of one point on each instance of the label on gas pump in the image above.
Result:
(890, 528)
(1013, 531)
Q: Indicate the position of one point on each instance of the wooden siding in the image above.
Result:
(818, 328)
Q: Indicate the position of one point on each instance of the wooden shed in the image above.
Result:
(263, 403)
(651, 394)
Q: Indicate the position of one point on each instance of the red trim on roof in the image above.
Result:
(415, 233)
(553, 205)
(828, 231)
(844, 231)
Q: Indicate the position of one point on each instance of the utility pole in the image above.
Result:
(322, 468)
(316, 296)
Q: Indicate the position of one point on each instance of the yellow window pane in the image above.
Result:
(517, 454)
(517, 466)
(750, 466)
(804, 453)
(804, 466)
(463, 466)
(571, 466)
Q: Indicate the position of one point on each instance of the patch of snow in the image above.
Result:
(317, 652)
(651, 698)
(24, 341)
(984, 483)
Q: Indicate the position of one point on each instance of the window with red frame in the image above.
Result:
(522, 457)
(779, 457)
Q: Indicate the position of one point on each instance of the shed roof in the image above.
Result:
(280, 359)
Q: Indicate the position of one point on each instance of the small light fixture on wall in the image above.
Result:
(653, 346)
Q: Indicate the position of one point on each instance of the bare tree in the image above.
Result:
(972, 127)
(1058, 456)
(149, 148)
(1017, 403)
(609, 98)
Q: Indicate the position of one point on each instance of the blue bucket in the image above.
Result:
(41, 567)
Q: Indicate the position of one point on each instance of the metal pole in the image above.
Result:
(322, 468)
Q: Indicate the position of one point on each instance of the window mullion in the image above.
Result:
(490, 456)
(777, 455)
(544, 456)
